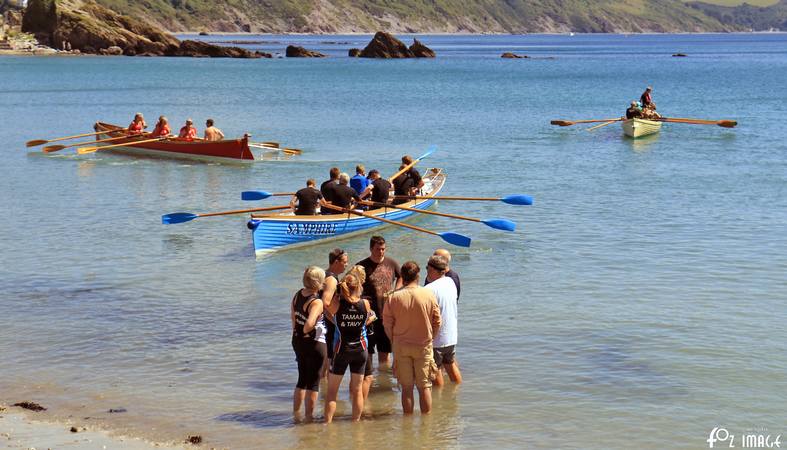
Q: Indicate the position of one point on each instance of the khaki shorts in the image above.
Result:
(414, 365)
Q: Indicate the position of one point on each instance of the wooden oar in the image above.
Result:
(721, 123)
(57, 147)
(499, 224)
(180, 217)
(568, 123)
(510, 199)
(36, 142)
(596, 127)
(429, 151)
(450, 237)
(289, 151)
(261, 195)
(84, 150)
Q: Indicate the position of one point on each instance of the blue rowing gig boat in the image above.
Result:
(277, 231)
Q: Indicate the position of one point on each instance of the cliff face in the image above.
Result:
(424, 16)
(92, 28)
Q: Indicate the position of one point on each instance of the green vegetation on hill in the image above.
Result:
(398, 16)
(746, 16)
(500, 16)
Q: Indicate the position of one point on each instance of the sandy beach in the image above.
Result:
(19, 431)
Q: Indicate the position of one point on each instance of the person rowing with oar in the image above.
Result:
(379, 188)
(307, 200)
(633, 112)
(188, 131)
(162, 128)
(137, 125)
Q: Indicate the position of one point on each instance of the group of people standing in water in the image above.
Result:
(341, 318)
(162, 129)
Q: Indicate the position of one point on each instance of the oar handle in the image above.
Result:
(71, 137)
(243, 211)
(382, 219)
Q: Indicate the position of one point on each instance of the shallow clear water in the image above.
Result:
(640, 303)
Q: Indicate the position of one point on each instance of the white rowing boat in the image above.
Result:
(640, 127)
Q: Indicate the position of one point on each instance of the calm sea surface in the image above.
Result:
(640, 303)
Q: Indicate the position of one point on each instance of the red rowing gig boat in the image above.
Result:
(229, 150)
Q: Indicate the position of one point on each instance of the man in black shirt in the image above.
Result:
(343, 194)
(380, 188)
(413, 173)
(326, 188)
(307, 199)
(382, 276)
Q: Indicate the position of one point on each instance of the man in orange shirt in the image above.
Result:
(411, 318)
(188, 131)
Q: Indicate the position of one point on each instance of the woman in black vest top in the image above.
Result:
(351, 315)
(308, 340)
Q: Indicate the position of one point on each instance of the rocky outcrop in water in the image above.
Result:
(354, 53)
(203, 49)
(513, 56)
(385, 45)
(294, 51)
(419, 50)
(92, 28)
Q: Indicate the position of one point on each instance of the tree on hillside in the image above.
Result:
(40, 18)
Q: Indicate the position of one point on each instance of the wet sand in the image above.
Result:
(19, 430)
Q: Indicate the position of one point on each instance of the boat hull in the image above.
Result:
(640, 127)
(274, 232)
(231, 150)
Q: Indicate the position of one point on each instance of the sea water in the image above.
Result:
(639, 304)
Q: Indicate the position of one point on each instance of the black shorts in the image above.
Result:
(444, 355)
(379, 339)
(355, 359)
(310, 355)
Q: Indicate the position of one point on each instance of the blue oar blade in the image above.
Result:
(500, 224)
(169, 219)
(518, 200)
(456, 239)
(254, 195)
(429, 151)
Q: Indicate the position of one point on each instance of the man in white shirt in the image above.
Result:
(444, 343)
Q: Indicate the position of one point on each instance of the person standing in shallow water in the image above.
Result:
(412, 319)
(337, 264)
(351, 314)
(445, 340)
(382, 274)
(450, 272)
(308, 340)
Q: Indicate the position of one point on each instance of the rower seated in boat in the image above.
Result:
(188, 131)
(379, 188)
(162, 128)
(212, 133)
(343, 195)
(633, 112)
(305, 201)
(137, 125)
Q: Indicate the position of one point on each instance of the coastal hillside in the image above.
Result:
(423, 16)
(746, 16)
